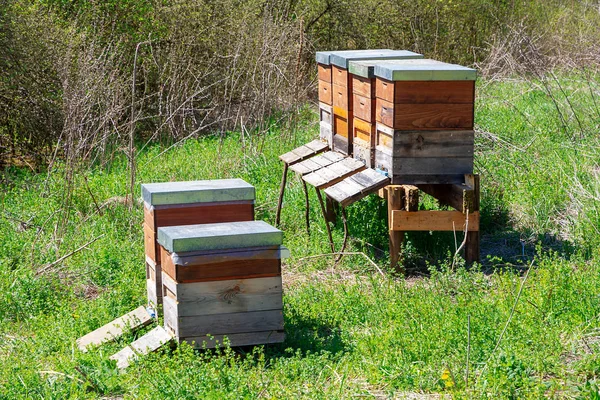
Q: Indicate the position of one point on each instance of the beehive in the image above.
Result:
(362, 73)
(325, 97)
(341, 89)
(223, 280)
(187, 203)
(424, 114)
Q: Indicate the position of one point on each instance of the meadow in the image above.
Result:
(522, 324)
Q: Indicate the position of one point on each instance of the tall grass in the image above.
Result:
(350, 330)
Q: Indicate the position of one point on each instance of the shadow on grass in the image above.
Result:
(501, 246)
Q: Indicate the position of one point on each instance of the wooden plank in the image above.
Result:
(305, 167)
(334, 173)
(425, 116)
(151, 248)
(234, 265)
(431, 166)
(204, 213)
(321, 161)
(395, 195)
(370, 180)
(130, 321)
(222, 324)
(442, 144)
(148, 343)
(411, 196)
(236, 339)
(421, 92)
(433, 221)
(333, 156)
(472, 252)
(317, 146)
(343, 190)
(340, 127)
(224, 297)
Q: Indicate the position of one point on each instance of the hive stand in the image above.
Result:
(404, 215)
(346, 181)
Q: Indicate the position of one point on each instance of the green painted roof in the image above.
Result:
(423, 70)
(197, 192)
(230, 235)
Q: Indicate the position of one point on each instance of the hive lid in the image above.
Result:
(423, 70)
(342, 58)
(230, 235)
(322, 57)
(366, 68)
(197, 192)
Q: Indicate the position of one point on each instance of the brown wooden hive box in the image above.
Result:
(342, 91)
(186, 203)
(424, 113)
(223, 280)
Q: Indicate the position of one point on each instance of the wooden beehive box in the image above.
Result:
(362, 73)
(186, 203)
(341, 90)
(223, 280)
(424, 114)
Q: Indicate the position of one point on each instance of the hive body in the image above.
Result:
(185, 203)
(223, 280)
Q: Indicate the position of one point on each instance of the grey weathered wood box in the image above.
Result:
(341, 88)
(223, 280)
(185, 203)
(424, 114)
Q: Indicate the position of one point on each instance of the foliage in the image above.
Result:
(350, 330)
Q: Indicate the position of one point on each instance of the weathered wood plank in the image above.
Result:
(441, 144)
(222, 324)
(224, 297)
(433, 221)
(237, 339)
(148, 343)
(425, 116)
(334, 173)
(343, 190)
(333, 156)
(411, 196)
(369, 180)
(317, 146)
(432, 92)
(130, 321)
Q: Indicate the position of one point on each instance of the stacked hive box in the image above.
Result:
(187, 203)
(335, 90)
(363, 105)
(424, 113)
(223, 280)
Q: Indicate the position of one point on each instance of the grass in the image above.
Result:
(350, 331)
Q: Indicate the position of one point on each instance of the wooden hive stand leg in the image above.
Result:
(307, 206)
(281, 190)
(321, 203)
(472, 241)
(395, 196)
(330, 209)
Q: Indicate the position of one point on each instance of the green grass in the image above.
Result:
(350, 331)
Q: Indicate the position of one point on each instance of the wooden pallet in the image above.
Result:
(356, 187)
(303, 152)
